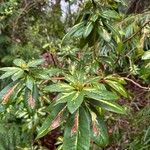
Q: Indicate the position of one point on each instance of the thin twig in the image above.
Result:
(137, 84)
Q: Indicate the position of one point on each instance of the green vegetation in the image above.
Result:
(75, 77)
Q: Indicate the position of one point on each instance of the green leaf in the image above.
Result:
(79, 32)
(35, 63)
(110, 14)
(113, 29)
(116, 78)
(146, 55)
(46, 125)
(8, 74)
(35, 94)
(100, 134)
(5, 90)
(77, 132)
(104, 34)
(98, 94)
(59, 87)
(19, 62)
(75, 101)
(17, 75)
(112, 106)
(28, 104)
(64, 97)
(29, 82)
(88, 29)
(117, 86)
(9, 69)
(73, 30)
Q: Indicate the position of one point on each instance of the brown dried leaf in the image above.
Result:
(75, 126)
(31, 102)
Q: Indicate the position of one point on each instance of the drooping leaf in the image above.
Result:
(108, 105)
(47, 123)
(77, 132)
(117, 86)
(112, 106)
(99, 130)
(7, 92)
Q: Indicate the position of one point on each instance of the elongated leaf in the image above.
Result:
(35, 63)
(77, 132)
(73, 30)
(28, 100)
(113, 29)
(7, 69)
(88, 29)
(110, 14)
(7, 91)
(79, 32)
(116, 78)
(110, 106)
(75, 101)
(104, 34)
(29, 82)
(98, 95)
(59, 87)
(17, 75)
(8, 74)
(46, 125)
(35, 94)
(99, 130)
(19, 62)
(118, 87)
(64, 97)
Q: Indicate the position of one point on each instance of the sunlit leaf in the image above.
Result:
(75, 101)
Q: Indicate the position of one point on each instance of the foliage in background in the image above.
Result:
(70, 71)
